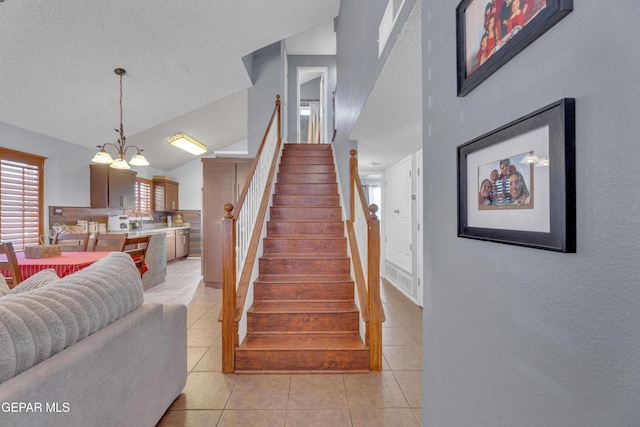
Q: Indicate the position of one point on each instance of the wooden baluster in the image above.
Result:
(376, 314)
(229, 334)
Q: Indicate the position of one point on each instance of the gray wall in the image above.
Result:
(267, 75)
(525, 337)
(358, 67)
(295, 61)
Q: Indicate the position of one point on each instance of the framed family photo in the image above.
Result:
(491, 32)
(516, 184)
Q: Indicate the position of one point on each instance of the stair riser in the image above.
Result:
(314, 153)
(333, 228)
(306, 178)
(332, 200)
(303, 291)
(302, 360)
(305, 213)
(297, 168)
(307, 160)
(306, 188)
(304, 147)
(304, 266)
(302, 322)
(310, 245)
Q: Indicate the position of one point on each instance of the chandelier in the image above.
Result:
(120, 162)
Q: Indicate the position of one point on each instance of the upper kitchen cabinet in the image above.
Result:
(112, 188)
(165, 194)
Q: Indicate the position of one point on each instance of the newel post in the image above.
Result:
(228, 290)
(353, 170)
(376, 314)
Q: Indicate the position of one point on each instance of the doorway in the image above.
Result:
(311, 111)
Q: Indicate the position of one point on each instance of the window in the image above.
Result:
(21, 198)
(143, 196)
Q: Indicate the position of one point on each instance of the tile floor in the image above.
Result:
(392, 397)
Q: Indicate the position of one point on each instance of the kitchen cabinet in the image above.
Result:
(171, 245)
(112, 188)
(223, 181)
(182, 243)
(165, 195)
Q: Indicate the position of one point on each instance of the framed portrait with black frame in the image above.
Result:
(491, 32)
(516, 184)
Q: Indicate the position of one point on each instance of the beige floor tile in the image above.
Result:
(211, 361)
(207, 321)
(202, 337)
(418, 413)
(260, 392)
(318, 418)
(205, 390)
(383, 418)
(253, 418)
(397, 336)
(317, 391)
(403, 357)
(416, 333)
(374, 390)
(411, 385)
(194, 354)
(194, 418)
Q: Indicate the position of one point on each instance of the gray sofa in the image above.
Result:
(85, 351)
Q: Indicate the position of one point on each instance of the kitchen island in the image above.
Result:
(156, 258)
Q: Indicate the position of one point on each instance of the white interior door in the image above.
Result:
(399, 237)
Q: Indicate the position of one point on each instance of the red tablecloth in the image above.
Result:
(65, 264)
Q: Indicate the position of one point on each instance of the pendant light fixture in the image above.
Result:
(120, 162)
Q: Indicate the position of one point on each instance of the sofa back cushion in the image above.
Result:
(36, 324)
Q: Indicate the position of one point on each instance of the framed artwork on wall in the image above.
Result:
(491, 32)
(516, 184)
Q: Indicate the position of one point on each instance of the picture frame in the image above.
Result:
(488, 34)
(531, 202)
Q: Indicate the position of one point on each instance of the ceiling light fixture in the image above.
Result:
(187, 143)
(103, 156)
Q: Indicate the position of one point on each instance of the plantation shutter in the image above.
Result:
(21, 198)
(143, 195)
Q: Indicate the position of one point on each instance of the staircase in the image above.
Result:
(304, 318)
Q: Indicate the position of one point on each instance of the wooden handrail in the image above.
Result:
(361, 283)
(371, 293)
(234, 293)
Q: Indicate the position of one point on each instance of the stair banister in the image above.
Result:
(241, 229)
(365, 219)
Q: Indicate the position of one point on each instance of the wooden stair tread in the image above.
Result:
(303, 341)
(295, 306)
(304, 278)
(300, 255)
(305, 237)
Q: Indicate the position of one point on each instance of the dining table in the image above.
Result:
(64, 264)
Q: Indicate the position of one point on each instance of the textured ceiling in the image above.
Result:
(182, 58)
(389, 127)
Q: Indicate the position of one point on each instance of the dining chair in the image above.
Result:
(136, 247)
(11, 264)
(72, 242)
(113, 242)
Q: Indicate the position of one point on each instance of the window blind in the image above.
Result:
(21, 198)
(143, 195)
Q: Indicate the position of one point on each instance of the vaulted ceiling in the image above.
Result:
(183, 61)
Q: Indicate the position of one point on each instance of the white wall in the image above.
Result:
(525, 337)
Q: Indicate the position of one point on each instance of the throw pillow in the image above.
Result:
(4, 287)
(36, 281)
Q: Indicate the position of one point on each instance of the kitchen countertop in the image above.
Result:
(154, 230)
